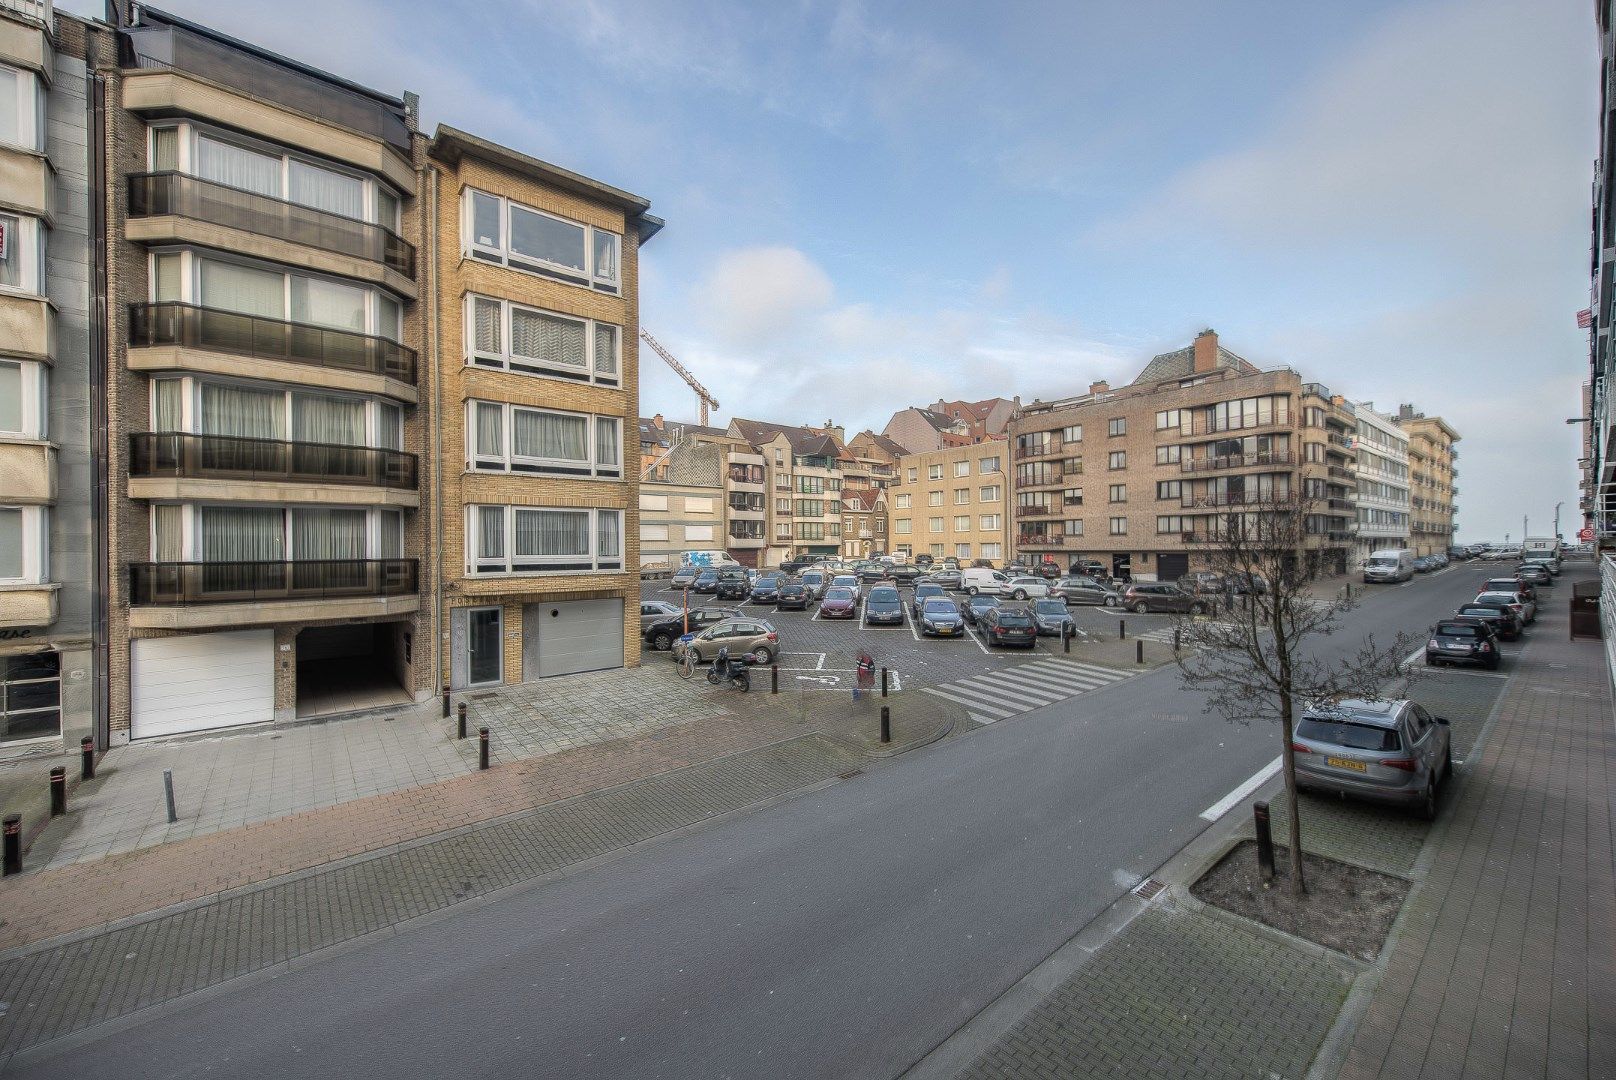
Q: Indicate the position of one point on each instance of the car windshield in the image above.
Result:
(984, 601)
(843, 580)
(791, 589)
(1496, 598)
(884, 596)
(1457, 630)
(1050, 607)
(840, 592)
(939, 606)
(1348, 734)
(1014, 617)
(1479, 609)
(1382, 560)
(928, 590)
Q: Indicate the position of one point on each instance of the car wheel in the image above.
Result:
(1111, 601)
(662, 642)
(1447, 763)
(1197, 609)
(971, 591)
(1019, 594)
(1141, 608)
(1428, 804)
(762, 655)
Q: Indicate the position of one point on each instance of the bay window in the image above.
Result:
(24, 545)
(22, 109)
(502, 334)
(529, 539)
(23, 410)
(186, 532)
(274, 292)
(499, 230)
(252, 411)
(22, 254)
(517, 438)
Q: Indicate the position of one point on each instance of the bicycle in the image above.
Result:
(687, 664)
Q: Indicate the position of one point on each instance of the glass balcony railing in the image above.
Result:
(175, 324)
(246, 582)
(229, 457)
(163, 193)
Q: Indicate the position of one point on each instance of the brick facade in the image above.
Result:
(911, 512)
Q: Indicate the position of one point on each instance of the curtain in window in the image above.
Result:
(236, 410)
(11, 265)
(168, 521)
(328, 420)
(11, 106)
(166, 276)
(490, 420)
(605, 349)
(241, 534)
(328, 303)
(547, 238)
(552, 532)
(10, 542)
(486, 320)
(490, 532)
(165, 149)
(548, 338)
(389, 426)
(390, 534)
(323, 189)
(608, 530)
(389, 317)
(607, 443)
(552, 436)
(10, 393)
(328, 534)
(244, 289)
(166, 405)
(238, 167)
(605, 256)
(386, 207)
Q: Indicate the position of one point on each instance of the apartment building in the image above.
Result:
(952, 502)
(1134, 477)
(804, 488)
(983, 419)
(683, 501)
(919, 431)
(1598, 414)
(538, 328)
(1383, 499)
(51, 680)
(265, 416)
(1432, 479)
(864, 522)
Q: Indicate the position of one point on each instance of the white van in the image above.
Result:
(1389, 565)
(979, 579)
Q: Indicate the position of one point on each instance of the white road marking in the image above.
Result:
(968, 703)
(998, 696)
(1227, 803)
(1001, 682)
(1067, 684)
(913, 632)
(1108, 674)
(978, 641)
(1408, 661)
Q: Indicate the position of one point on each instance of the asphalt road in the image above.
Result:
(841, 934)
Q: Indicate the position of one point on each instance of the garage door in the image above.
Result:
(571, 635)
(201, 681)
(1171, 567)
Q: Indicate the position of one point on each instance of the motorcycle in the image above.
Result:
(726, 670)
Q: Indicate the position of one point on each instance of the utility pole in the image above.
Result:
(1557, 518)
(1525, 532)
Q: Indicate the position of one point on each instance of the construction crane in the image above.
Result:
(706, 399)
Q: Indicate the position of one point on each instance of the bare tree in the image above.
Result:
(1256, 660)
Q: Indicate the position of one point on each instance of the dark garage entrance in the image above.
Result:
(351, 667)
(1172, 565)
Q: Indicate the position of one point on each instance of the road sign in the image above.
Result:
(1585, 534)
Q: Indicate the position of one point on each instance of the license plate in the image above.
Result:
(1346, 763)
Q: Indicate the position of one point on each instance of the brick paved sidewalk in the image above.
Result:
(1506, 965)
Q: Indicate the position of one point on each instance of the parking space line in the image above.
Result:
(978, 641)
(967, 703)
(913, 631)
(1227, 803)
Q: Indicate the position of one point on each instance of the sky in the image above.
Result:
(874, 205)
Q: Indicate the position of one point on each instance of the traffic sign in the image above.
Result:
(1586, 534)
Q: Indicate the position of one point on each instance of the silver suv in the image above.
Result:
(1388, 751)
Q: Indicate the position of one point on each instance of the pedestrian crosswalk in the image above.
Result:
(1011, 691)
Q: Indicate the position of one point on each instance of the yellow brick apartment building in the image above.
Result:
(951, 502)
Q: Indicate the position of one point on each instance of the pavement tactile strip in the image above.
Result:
(58, 990)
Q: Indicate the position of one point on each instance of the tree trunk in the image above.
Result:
(1288, 757)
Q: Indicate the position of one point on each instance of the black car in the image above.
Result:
(923, 591)
(1455, 642)
(904, 573)
(792, 596)
(1012, 625)
(872, 572)
(1048, 570)
(766, 590)
(939, 615)
(816, 582)
(883, 607)
(662, 633)
(977, 607)
(1242, 584)
(924, 561)
(706, 581)
(791, 566)
(1505, 623)
(732, 587)
(1051, 617)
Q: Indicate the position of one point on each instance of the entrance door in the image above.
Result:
(1122, 566)
(476, 639)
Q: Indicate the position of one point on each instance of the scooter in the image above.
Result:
(726, 670)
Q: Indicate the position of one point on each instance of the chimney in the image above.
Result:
(1099, 387)
(1206, 350)
(1405, 412)
(657, 421)
(838, 432)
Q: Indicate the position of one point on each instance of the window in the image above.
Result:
(989, 522)
(1119, 526)
(1117, 459)
(251, 411)
(1117, 425)
(810, 508)
(903, 527)
(30, 697)
(24, 544)
(782, 531)
(962, 496)
(992, 551)
(1073, 527)
(962, 468)
(22, 399)
(811, 485)
(22, 265)
(274, 293)
(782, 506)
(880, 526)
(914, 474)
(22, 109)
(1119, 493)
(934, 498)
(962, 551)
(696, 505)
(515, 438)
(1169, 489)
(962, 523)
(988, 494)
(1169, 455)
(1072, 433)
(934, 472)
(501, 334)
(500, 231)
(810, 530)
(527, 540)
(936, 550)
(988, 465)
(655, 532)
(1170, 418)
(653, 502)
(901, 502)
(934, 524)
(1175, 523)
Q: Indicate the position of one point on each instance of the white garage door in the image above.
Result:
(201, 681)
(571, 635)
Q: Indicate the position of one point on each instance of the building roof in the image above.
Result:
(803, 440)
(860, 500)
(1180, 364)
(938, 420)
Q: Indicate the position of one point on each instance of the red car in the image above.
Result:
(840, 602)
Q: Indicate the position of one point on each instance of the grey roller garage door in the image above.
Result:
(571, 635)
(1171, 567)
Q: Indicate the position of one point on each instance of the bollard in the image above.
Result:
(1176, 633)
(461, 710)
(886, 724)
(1066, 637)
(1265, 843)
(86, 758)
(774, 678)
(1122, 629)
(1349, 590)
(883, 682)
(13, 844)
(446, 703)
(168, 795)
(482, 748)
(1139, 650)
(58, 790)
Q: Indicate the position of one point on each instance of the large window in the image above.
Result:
(515, 438)
(962, 468)
(30, 697)
(962, 523)
(1117, 459)
(501, 231)
(255, 411)
(530, 540)
(201, 533)
(22, 253)
(989, 522)
(501, 334)
(1119, 526)
(22, 109)
(273, 292)
(901, 502)
(989, 493)
(24, 545)
(1116, 426)
(22, 399)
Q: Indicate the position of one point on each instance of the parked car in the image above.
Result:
(980, 580)
(752, 574)
(849, 581)
(791, 566)
(1050, 616)
(815, 582)
(1388, 566)
(870, 573)
(1244, 584)
(1523, 608)
(1534, 574)
(924, 561)
(1009, 625)
(1085, 591)
(745, 637)
(684, 577)
(940, 616)
(1423, 564)
(733, 587)
(662, 634)
(883, 607)
(657, 610)
(1455, 641)
(1093, 568)
(904, 573)
(1017, 569)
(1048, 569)
(1390, 751)
(706, 581)
(1552, 565)
(767, 589)
(1505, 623)
(1027, 587)
(951, 563)
(792, 596)
(1513, 584)
(923, 591)
(839, 602)
(977, 606)
(1161, 596)
(1203, 583)
(948, 579)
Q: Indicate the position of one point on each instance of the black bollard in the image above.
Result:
(886, 724)
(1349, 590)
(1066, 637)
(168, 795)
(482, 748)
(13, 844)
(1122, 629)
(446, 703)
(1139, 650)
(883, 682)
(774, 678)
(1176, 633)
(1265, 843)
(58, 790)
(86, 758)
(461, 710)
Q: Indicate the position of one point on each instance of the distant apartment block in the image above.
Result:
(1433, 479)
(952, 502)
(1383, 483)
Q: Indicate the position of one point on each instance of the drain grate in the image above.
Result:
(1148, 889)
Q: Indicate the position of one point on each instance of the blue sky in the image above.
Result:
(871, 205)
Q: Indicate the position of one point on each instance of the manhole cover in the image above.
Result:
(1148, 889)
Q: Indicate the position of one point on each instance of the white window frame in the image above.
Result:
(962, 551)
(903, 527)
(962, 468)
(191, 547)
(506, 565)
(191, 406)
(992, 551)
(988, 465)
(962, 522)
(901, 502)
(990, 493)
(962, 496)
(30, 109)
(35, 545)
(934, 524)
(35, 412)
(190, 277)
(29, 244)
(934, 472)
(509, 462)
(505, 360)
(988, 522)
(588, 277)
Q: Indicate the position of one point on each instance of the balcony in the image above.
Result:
(27, 326)
(180, 595)
(30, 606)
(1236, 461)
(746, 538)
(1023, 453)
(179, 465)
(27, 471)
(1055, 542)
(158, 201)
(1336, 503)
(169, 335)
(1036, 511)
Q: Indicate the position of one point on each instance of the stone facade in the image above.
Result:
(1433, 477)
(684, 507)
(1383, 481)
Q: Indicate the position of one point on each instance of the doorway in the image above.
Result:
(477, 637)
(1122, 566)
(352, 667)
